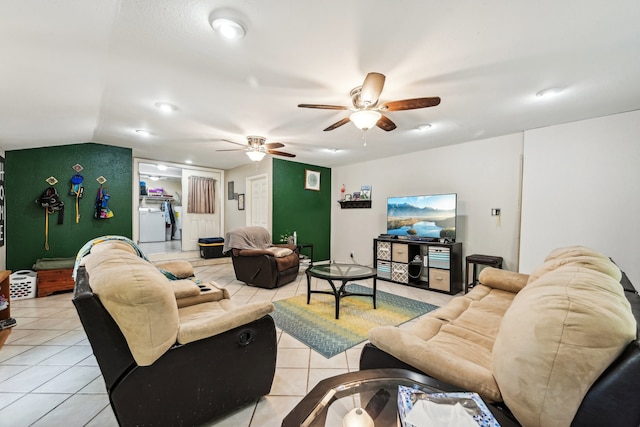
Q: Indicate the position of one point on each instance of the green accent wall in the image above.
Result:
(26, 172)
(307, 212)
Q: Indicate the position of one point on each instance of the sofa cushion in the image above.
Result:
(138, 297)
(560, 333)
(211, 318)
(453, 343)
(573, 251)
(593, 262)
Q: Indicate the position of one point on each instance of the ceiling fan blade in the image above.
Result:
(272, 145)
(338, 124)
(410, 104)
(233, 142)
(371, 89)
(386, 124)
(324, 107)
(280, 153)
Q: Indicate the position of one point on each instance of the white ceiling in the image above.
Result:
(75, 71)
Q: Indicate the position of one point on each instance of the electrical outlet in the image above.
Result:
(351, 254)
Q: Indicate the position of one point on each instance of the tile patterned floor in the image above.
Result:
(49, 377)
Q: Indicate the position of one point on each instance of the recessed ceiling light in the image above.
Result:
(228, 28)
(550, 92)
(166, 107)
(143, 132)
(423, 127)
(188, 162)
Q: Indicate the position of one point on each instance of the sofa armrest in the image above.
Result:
(215, 322)
(179, 268)
(253, 252)
(184, 288)
(502, 279)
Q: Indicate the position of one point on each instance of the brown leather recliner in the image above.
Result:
(257, 261)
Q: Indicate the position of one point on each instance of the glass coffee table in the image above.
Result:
(343, 273)
(373, 390)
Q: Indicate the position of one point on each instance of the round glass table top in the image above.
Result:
(341, 271)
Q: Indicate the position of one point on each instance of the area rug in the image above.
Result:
(316, 326)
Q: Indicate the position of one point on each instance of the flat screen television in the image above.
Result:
(430, 217)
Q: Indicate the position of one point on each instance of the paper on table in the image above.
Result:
(425, 414)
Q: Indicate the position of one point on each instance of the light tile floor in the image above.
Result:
(49, 377)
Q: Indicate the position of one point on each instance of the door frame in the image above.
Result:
(135, 185)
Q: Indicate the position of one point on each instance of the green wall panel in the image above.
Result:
(307, 212)
(26, 172)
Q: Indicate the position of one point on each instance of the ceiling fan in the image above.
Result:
(256, 148)
(366, 111)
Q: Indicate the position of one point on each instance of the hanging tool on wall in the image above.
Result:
(51, 202)
(102, 208)
(77, 190)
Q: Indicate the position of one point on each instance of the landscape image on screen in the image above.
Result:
(422, 216)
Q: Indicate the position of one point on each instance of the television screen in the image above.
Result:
(422, 216)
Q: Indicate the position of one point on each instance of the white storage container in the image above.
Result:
(23, 284)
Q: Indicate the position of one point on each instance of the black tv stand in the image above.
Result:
(423, 264)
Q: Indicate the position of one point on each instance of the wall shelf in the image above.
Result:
(157, 198)
(354, 204)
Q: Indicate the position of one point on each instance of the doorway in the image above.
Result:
(161, 190)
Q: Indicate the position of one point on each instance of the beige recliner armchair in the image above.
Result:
(172, 352)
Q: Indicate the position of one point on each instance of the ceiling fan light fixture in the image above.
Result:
(365, 119)
(166, 107)
(228, 28)
(256, 155)
(549, 92)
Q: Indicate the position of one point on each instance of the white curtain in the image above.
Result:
(201, 195)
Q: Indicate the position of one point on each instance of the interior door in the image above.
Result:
(257, 201)
(195, 226)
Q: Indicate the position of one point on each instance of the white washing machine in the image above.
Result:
(152, 225)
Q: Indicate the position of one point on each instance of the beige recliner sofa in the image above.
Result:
(538, 343)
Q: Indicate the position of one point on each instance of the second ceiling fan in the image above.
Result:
(256, 148)
(367, 113)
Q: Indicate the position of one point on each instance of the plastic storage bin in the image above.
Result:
(211, 247)
(23, 284)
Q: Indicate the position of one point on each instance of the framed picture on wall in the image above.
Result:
(311, 180)
(240, 202)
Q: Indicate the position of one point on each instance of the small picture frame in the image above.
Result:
(311, 180)
(347, 197)
(356, 195)
(240, 202)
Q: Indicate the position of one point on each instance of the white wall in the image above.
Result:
(485, 174)
(234, 217)
(3, 249)
(581, 186)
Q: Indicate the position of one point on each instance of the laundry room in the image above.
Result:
(160, 206)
